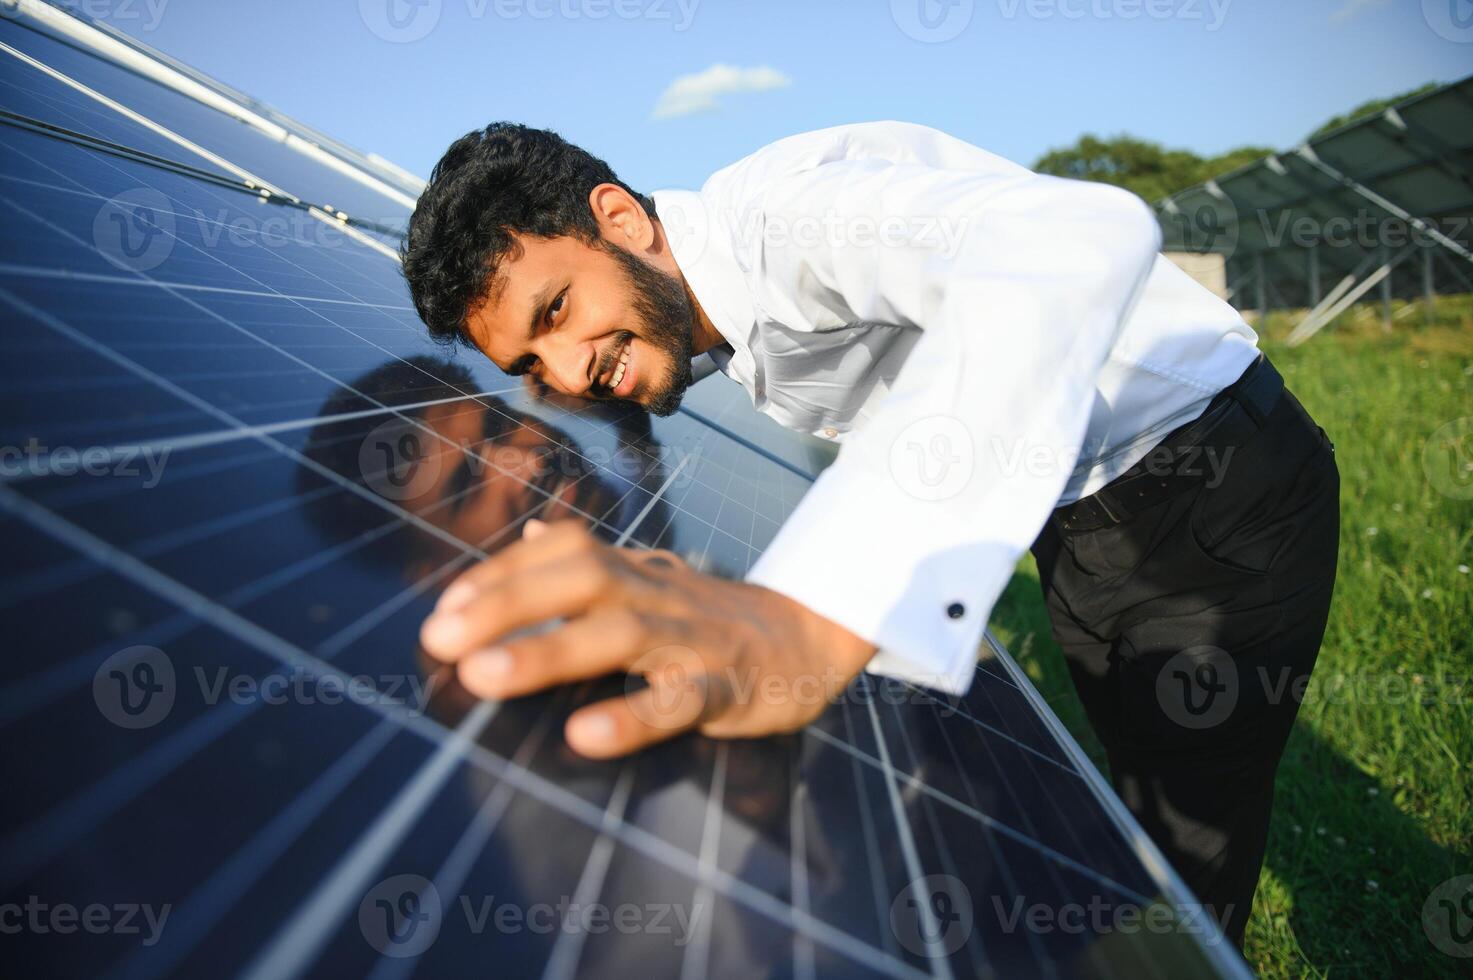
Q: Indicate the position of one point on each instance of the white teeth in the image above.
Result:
(619, 371)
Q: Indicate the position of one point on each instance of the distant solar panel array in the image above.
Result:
(236, 474)
(1381, 207)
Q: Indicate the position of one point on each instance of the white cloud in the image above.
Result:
(690, 94)
(1354, 8)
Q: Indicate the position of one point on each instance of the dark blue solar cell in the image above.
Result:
(268, 155)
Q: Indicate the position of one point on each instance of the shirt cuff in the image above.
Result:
(896, 570)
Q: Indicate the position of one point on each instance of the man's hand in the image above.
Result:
(725, 658)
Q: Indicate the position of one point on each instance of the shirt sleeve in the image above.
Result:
(1019, 284)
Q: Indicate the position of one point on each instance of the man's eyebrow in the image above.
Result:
(540, 303)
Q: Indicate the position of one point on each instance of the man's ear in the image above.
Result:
(621, 218)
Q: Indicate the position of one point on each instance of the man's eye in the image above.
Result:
(556, 305)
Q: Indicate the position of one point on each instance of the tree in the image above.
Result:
(1372, 107)
(1147, 168)
(1155, 172)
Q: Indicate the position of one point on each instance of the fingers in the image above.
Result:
(566, 587)
(619, 726)
(540, 542)
(586, 647)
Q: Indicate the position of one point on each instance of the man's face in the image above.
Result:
(571, 314)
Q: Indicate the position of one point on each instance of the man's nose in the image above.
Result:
(572, 368)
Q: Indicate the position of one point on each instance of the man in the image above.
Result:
(1007, 362)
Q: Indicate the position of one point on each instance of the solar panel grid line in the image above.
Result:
(57, 828)
(237, 100)
(975, 950)
(694, 960)
(293, 949)
(1004, 868)
(548, 793)
(1217, 950)
(34, 844)
(164, 75)
(930, 928)
(66, 113)
(236, 230)
(563, 962)
(218, 436)
(60, 826)
(243, 594)
(872, 846)
(11, 268)
(451, 875)
(248, 333)
(957, 709)
(145, 122)
(203, 909)
(134, 154)
(862, 757)
(267, 439)
(803, 952)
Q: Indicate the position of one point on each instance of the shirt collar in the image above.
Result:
(702, 247)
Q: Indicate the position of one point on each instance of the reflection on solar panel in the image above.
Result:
(236, 474)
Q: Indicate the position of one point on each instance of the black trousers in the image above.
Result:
(1189, 629)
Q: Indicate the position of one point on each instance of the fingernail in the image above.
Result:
(441, 630)
(533, 527)
(494, 662)
(593, 729)
(457, 595)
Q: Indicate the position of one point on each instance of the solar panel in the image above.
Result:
(1384, 188)
(236, 475)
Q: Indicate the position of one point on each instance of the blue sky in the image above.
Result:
(404, 77)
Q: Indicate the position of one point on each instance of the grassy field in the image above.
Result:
(1374, 804)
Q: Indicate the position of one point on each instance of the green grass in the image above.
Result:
(1374, 804)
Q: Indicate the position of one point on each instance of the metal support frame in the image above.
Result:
(1316, 319)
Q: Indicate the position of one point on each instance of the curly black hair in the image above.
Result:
(491, 185)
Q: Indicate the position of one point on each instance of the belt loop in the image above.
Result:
(1258, 389)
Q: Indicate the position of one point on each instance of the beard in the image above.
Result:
(669, 316)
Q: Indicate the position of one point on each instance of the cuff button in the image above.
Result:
(956, 610)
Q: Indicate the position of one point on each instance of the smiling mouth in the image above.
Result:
(613, 380)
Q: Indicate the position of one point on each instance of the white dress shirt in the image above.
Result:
(985, 343)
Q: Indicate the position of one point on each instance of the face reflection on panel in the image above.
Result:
(473, 468)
